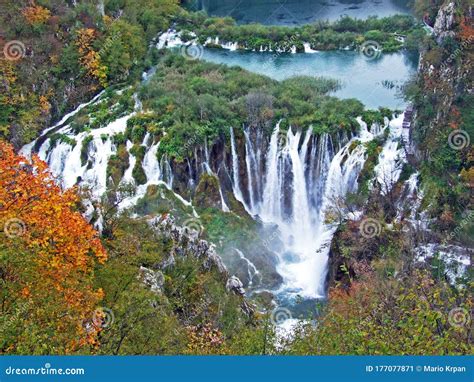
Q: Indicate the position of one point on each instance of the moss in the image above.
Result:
(373, 149)
(118, 164)
(160, 200)
(85, 148)
(207, 192)
(63, 138)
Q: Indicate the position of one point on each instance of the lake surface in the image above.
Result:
(375, 82)
(296, 12)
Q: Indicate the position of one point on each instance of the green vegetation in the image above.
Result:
(70, 51)
(383, 315)
(322, 35)
(195, 102)
(444, 128)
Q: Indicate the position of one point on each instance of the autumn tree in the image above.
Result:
(36, 15)
(47, 257)
(384, 315)
(89, 58)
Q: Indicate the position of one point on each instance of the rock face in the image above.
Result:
(444, 23)
(447, 79)
(152, 279)
(186, 242)
(235, 285)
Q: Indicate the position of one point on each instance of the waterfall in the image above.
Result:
(128, 175)
(151, 166)
(208, 170)
(235, 168)
(302, 184)
(295, 183)
(272, 191)
(251, 269)
(250, 162)
(301, 211)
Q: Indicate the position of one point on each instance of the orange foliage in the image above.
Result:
(36, 14)
(90, 59)
(45, 106)
(466, 30)
(61, 247)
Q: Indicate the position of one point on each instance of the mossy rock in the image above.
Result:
(159, 200)
(207, 192)
(118, 164)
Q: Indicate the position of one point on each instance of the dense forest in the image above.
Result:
(82, 275)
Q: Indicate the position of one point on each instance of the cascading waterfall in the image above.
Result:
(208, 170)
(389, 168)
(235, 168)
(250, 163)
(128, 175)
(301, 194)
(65, 162)
(251, 268)
(295, 184)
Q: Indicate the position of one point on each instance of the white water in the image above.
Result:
(235, 168)
(391, 158)
(251, 269)
(302, 194)
(296, 184)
